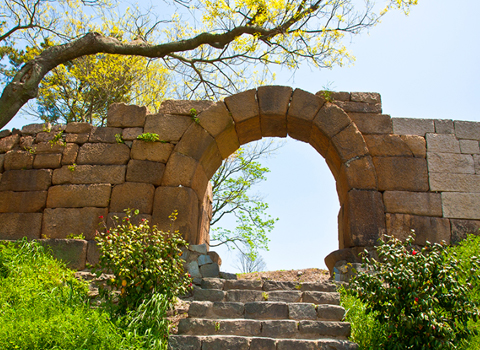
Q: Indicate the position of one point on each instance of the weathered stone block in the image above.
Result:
(469, 146)
(387, 145)
(444, 126)
(417, 145)
(200, 182)
(5, 133)
(168, 127)
(180, 170)
(362, 219)
(442, 143)
(18, 225)
(77, 196)
(204, 259)
(228, 142)
(7, 143)
(77, 138)
(185, 201)
(369, 123)
(367, 97)
(93, 253)
(22, 202)
(47, 161)
(334, 95)
(415, 203)
(210, 270)
(358, 173)
(130, 134)
(47, 147)
(349, 143)
(303, 109)
(61, 222)
(124, 116)
(359, 107)
(89, 174)
(145, 171)
(461, 205)
(45, 137)
(78, 128)
(412, 126)
(70, 154)
(26, 142)
(18, 160)
(319, 140)
(279, 329)
(467, 130)
(325, 329)
(302, 311)
(184, 342)
(32, 129)
(26, 180)
(452, 163)
(454, 182)
(330, 312)
(103, 154)
(401, 174)
(426, 228)
(72, 251)
(104, 134)
(132, 195)
(183, 107)
(331, 120)
(153, 151)
(462, 228)
(273, 102)
(2, 160)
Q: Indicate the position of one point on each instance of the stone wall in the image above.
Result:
(392, 174)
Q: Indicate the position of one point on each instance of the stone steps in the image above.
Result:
(263, 315)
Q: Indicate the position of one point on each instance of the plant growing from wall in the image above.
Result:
(421, 296)
(148, 137)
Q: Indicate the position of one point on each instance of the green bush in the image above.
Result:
(421, 296)
(144, 261)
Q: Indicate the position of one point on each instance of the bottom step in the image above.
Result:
(223, 342)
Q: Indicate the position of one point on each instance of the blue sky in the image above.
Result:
(425, 65)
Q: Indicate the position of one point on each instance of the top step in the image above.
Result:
(221, 284)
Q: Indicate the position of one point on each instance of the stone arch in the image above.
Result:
(277, 111)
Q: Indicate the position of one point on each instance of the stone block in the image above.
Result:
(26, 142)
(462, 228)
(369, 123)
(124, 116)
(93, 253)
(279, 329)
(319, 140)
(330, 312)
(104, 134)
(185, 201)
(15, 160)
(78, 128)
(133, 195)
(78, 196)
(416, 144)
(7, 143)
(461, 205)
(387, 145)
(71, 251)
(45, 137)
(130, 134)
(469, 146)
(454, 182)
(299, 344)
(273, 102)
(180, 170)
(193, 269)
(214, 343)
(412, 126)
(367, 97)
(145, 171)
(47, 147)
(89, 174)
(302, 311)
(467, 130)
(401, 174)
(103, 154)
(5, 133)
(204, 259)
(184, 342)
(320, 298)
(452, 163)
(22, 202)
(334, 95)
(361, 219)
(2, 160)
(331, 120)
(210, 270)
(359, 107)
(77, 138)
(266, 311)
(61, 222)
(32, 129)
(198, 248)
(168, 127)
(349, 143)
(26, 180)
(152, 151)
(426, 228)
(444, 126)
(18, 225)
(442, 143)
(358, 173)
(303, 109)
(215, 258)
(326, 329)
(415, 203)
(47, 161)
(70, 154)
(263, 344)
(183, 107)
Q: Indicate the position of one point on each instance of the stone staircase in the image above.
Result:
(263, 315)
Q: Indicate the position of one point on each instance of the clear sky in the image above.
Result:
(426, 65)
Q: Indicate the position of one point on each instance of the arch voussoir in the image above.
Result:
(245, 112)
(301, 112)
(273, 102)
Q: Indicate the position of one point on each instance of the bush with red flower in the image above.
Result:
(421, 296)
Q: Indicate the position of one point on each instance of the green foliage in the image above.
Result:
(193, 114)
(74, 236)
(72, 167)
(148, 137)
(144, 261)
(57, 139)
(119, 138)
(420, 296)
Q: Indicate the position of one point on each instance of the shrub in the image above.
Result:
(418, 295)
(143, 260)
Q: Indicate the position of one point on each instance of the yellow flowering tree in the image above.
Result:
(214, 55)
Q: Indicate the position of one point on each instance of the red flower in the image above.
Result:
(414, 252)
(390, 336)
(416, 300)
(127, 219)
(189, 275)
(100, 217)
(143, 219)
(190, 285)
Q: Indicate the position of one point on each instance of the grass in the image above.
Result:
(43, 306)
